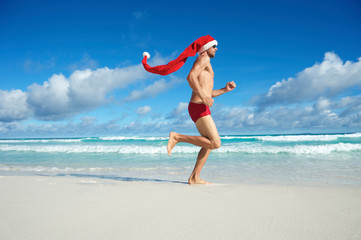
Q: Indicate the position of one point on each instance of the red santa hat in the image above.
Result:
(198, 46)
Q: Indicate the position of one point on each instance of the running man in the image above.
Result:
(201, 80)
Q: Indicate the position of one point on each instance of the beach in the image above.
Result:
(305, 186)
(43, 207)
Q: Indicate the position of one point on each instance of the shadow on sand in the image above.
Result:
(115, 178)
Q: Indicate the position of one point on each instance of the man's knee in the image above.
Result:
(216, 143)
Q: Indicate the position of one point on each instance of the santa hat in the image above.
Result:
(198, 46)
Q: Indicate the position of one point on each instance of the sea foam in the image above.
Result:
(304, 138)
(139, 149)
(55, 140)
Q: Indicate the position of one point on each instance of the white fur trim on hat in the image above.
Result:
(146, 54)
(207, 46)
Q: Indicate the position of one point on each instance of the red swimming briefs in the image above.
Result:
(198, 110)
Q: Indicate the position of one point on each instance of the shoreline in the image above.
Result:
(42, 207)
(98, 178)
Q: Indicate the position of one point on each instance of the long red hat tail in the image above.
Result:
(200, 44)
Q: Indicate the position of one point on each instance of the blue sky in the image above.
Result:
(72, 68)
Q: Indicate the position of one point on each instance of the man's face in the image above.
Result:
(212, 51)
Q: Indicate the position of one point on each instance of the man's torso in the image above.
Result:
(206, 81)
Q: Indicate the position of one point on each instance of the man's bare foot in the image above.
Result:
(192, 180)
(171, 142)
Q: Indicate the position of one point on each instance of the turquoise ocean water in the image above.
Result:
(327, 159)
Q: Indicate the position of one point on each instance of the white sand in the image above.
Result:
(85, 208)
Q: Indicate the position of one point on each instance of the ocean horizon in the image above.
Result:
(287, 159)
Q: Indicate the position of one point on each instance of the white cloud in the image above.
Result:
(327, 79)
(324, 114)
(152, 90)
(349, 105)
(318, 108)
(90, 126)
(90, 88)
(13, 106)
(180, 109)
(322, 104)
(144, 110)
(84, 89)
(50, 100)
(179, 117)
(60, 97)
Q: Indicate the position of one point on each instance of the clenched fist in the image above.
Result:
(230, 86)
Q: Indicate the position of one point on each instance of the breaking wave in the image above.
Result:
(139, 149)
(263, 138)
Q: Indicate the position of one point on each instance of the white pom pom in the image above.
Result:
(146, 54)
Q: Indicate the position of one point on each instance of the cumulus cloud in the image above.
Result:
(84, 89)
(349, 105)
(323, 115)
(326, 79)
(315, 94)
(335, 115)
(87, 126)
(50, 100)
(90, 88)
(180, 117)
(90, 126)
(152, 90)
(61, 96)
(13, 105)
(144, 110)
(180, 109)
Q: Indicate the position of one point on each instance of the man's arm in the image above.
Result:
(229, 87)
(198, 66)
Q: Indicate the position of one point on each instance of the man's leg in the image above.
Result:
(209, 140)
(207, 129)
(201, 160)
(199, 141)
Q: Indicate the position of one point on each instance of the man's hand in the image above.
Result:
(208, 101)
(230, 86)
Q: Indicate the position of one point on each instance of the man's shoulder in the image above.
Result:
(203, 59)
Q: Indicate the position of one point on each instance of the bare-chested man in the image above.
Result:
(201, 80)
